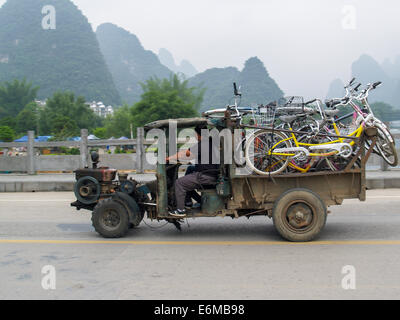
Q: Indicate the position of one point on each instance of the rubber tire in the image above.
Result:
(312, 200)
(392, 146)
(121, 230)
(137, 224)
(395, 162)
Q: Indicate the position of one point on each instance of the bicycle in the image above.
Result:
(280, 147)
(385, 145)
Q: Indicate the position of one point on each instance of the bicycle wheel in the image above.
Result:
(338, 163)
(259, 153)
(386, 149)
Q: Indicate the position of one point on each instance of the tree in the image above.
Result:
(100, 133)
(28, 118)
(6, 134)
(119, 124)
(165, 99)
(65, 127)
(14, 96)
(8, 122)
(66, 115)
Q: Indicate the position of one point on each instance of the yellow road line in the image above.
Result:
(207, 243)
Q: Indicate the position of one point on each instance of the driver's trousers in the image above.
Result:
(189, 183)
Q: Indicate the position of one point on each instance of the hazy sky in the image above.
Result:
(305, 44)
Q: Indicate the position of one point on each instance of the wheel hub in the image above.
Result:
(111, 219)
(299, 216)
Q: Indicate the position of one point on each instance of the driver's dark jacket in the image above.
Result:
(206, 167)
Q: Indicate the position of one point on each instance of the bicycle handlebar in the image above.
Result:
(377, 84)
(235, 88)
(365, 93)
(310, 102)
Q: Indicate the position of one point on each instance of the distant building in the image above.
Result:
(100, 109)
(41, 103)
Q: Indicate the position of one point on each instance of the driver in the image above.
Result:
(204, 174)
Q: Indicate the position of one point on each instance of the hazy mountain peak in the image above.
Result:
(256, 85)
(65, 58)
(167, 59)
(336, 89)
(255, 64)
(128, 61)
(253, 61)
(122, 34)
(185, 67)
(367, 70)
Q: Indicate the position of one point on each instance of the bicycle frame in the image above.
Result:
(293, 139)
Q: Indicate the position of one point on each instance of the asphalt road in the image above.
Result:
(211, 259)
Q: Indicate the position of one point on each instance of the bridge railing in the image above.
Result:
(31, 163)
(31, 160)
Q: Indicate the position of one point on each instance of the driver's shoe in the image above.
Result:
(178, 213)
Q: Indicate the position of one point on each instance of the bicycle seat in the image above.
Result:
(288, 119)
(332, 113)
(332, 103)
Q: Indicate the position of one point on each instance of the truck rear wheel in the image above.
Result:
(110, 219)
(299, 215)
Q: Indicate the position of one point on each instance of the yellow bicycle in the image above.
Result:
(270, 152)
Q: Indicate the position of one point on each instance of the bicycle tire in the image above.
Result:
(249, 159)
(388, 150)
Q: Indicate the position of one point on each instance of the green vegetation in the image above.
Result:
(162, 99)
(119, 124)
(65, 59)
(6, 134)
(385, 112)
(62, 151)
(64, 116)
(166, 99)
(14, 96)
(18, 111)
(100, 133)
(28, 119)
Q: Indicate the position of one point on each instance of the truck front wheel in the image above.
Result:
(299, 215)
(110, 219)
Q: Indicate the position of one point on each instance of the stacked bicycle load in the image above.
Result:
(293, 136)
